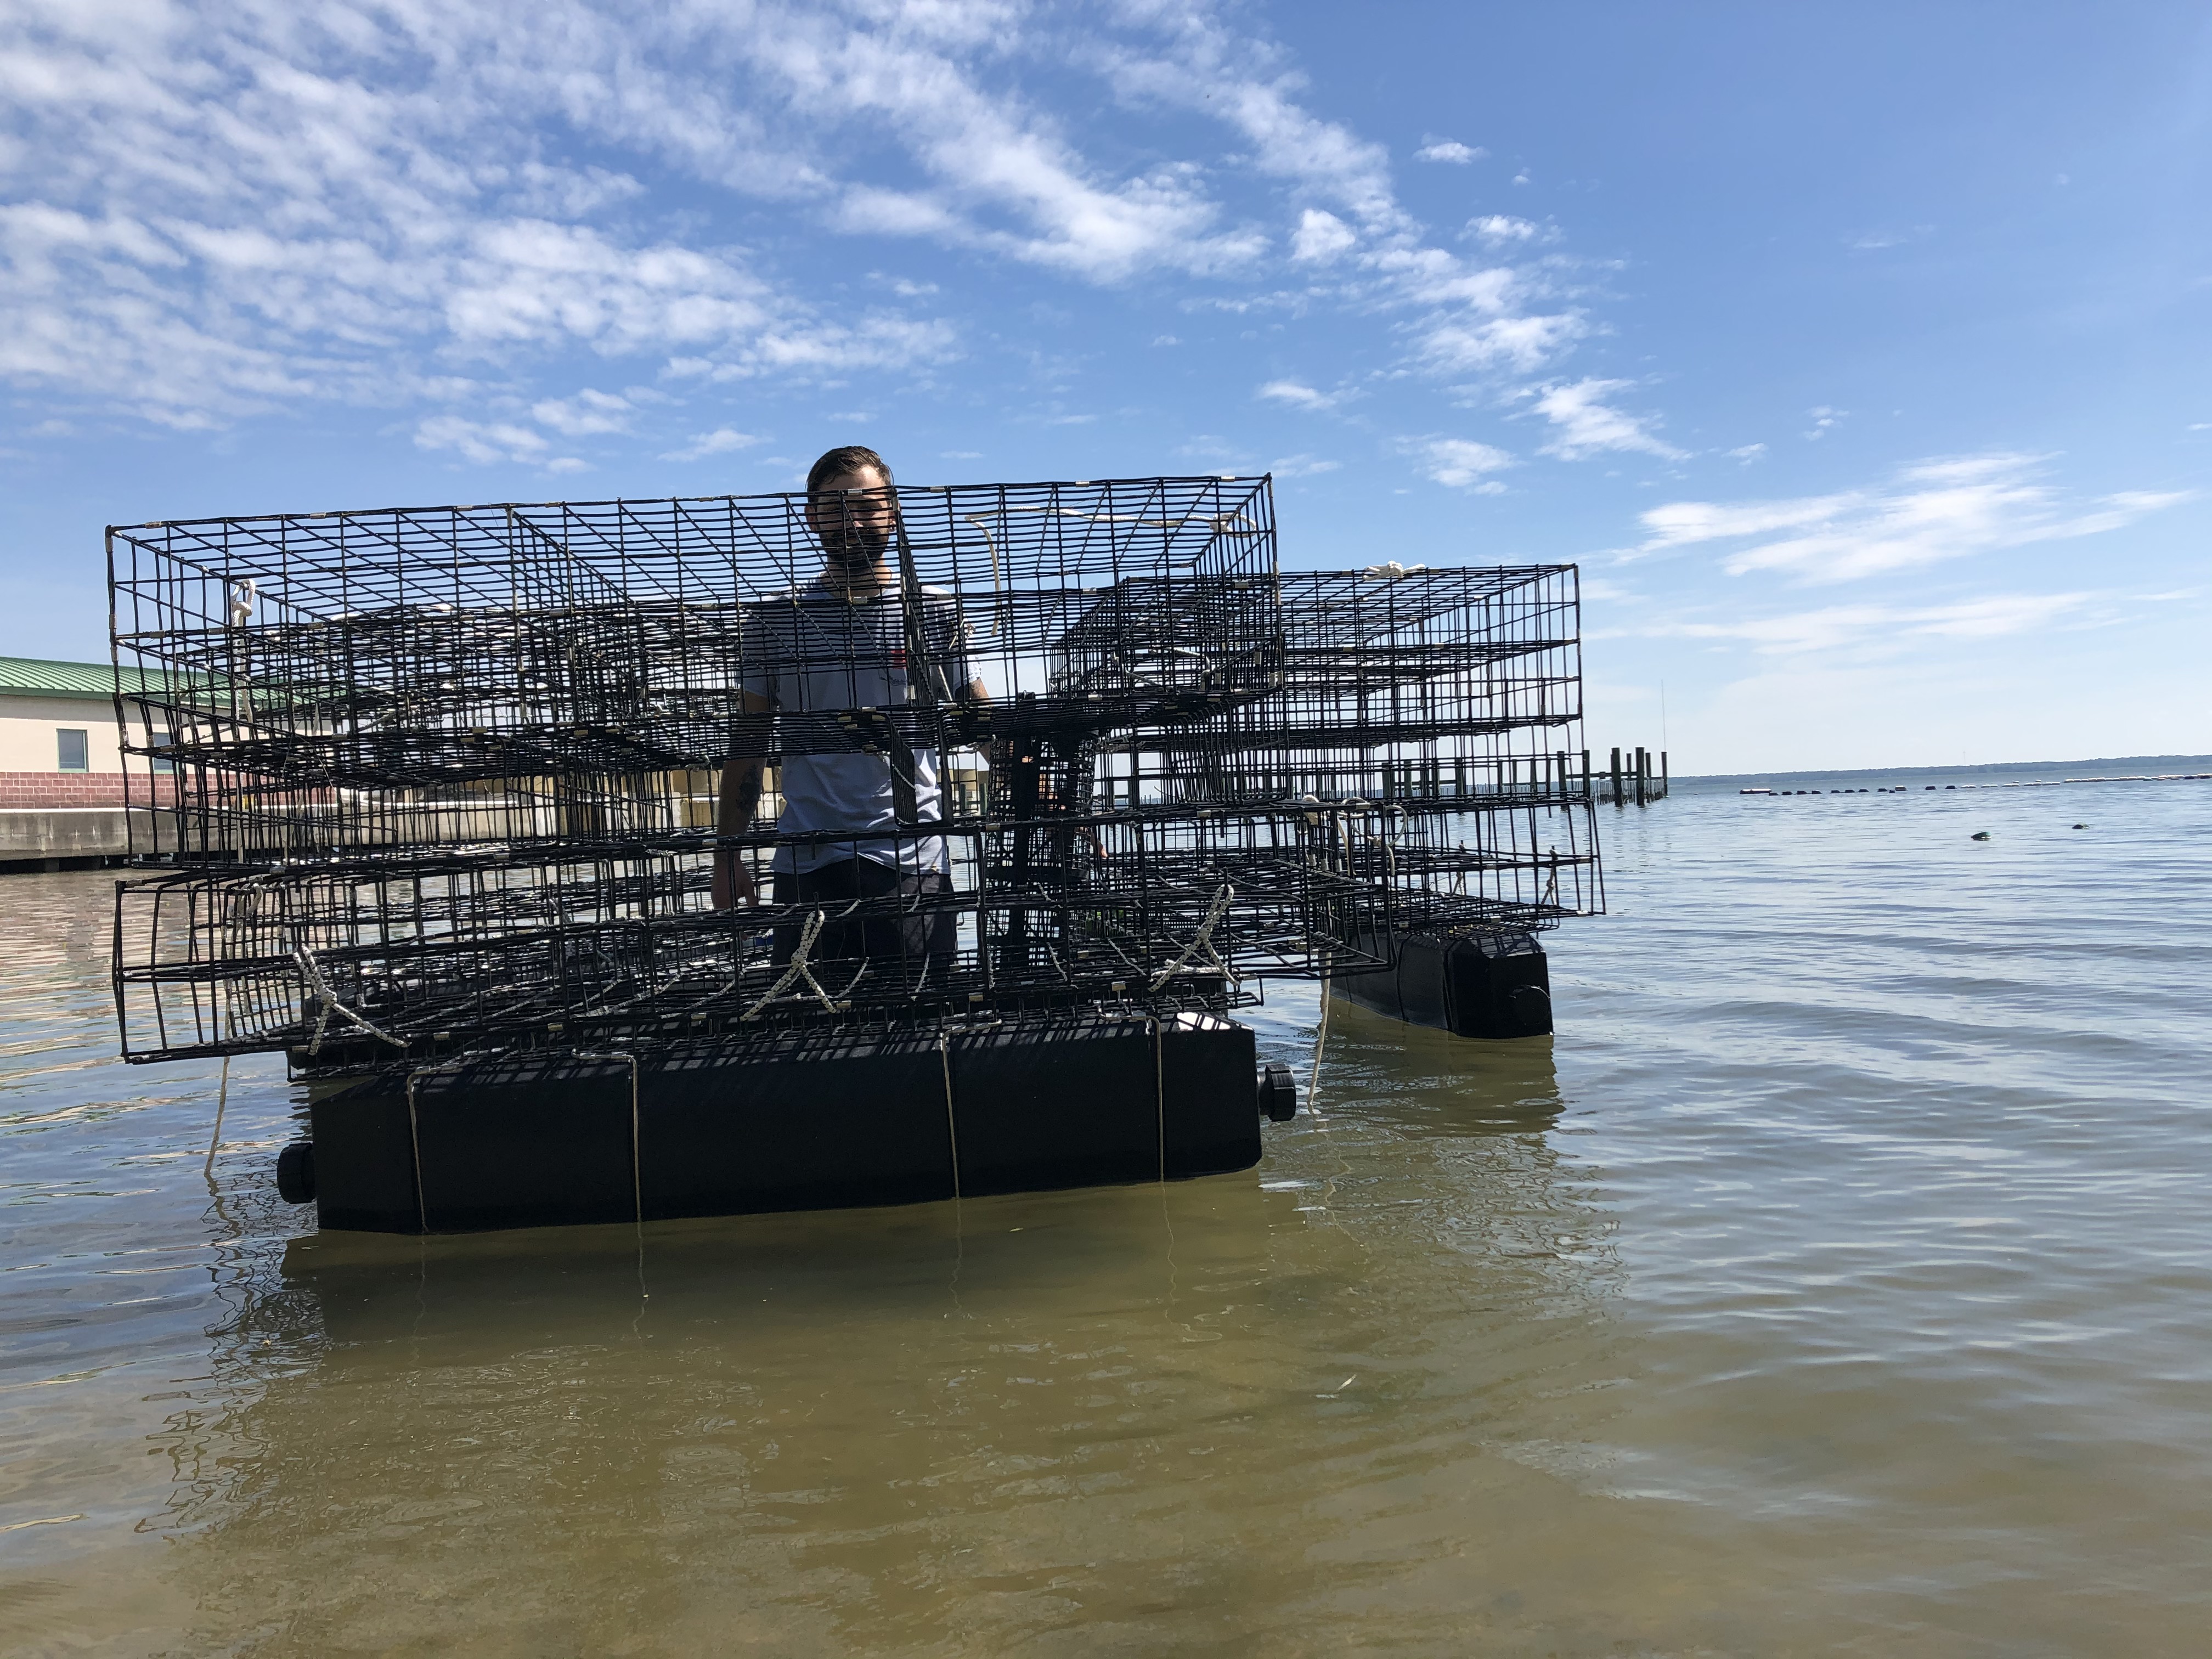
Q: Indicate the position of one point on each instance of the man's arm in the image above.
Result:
(734, 807)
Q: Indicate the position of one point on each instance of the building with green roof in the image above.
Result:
(62, 764)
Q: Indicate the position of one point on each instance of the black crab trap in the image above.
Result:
(436, 795)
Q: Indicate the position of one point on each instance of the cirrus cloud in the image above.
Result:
(1930, 511)
(1989, 616)
(1462, 464)
(1589, 425)
(223, 207)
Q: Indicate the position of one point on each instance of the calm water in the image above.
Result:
(1838, 1281)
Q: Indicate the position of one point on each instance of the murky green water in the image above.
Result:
(1836, 1282)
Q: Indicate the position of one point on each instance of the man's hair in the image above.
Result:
(850, 457)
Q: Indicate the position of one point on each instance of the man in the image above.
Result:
(833, 659)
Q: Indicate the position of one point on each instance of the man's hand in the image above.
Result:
(734, 882)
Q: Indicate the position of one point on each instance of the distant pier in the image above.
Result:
(1635, 776)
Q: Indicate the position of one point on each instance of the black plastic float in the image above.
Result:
(1477, 983)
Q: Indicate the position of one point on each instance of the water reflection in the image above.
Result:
(1911, 1360)
(1141, 1417)
(1427, 1081)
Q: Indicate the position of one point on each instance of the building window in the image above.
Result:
(75, 750)
(162, 741)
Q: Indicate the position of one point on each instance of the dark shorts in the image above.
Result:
(924, 938)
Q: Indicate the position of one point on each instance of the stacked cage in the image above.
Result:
(430, 783)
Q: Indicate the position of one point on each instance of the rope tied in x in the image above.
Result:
(318, 987)
(799, 969)
(1202, 942)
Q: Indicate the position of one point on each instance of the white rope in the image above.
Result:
(1202, 941)
(222, 1100)
(458, 1062)
(952, 1119)
(798, 969)
(637, 1150)
(312, 971)
(1321, 1042)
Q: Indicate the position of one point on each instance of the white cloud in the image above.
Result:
(1320, 237)
(488, 441)
(221, 210)
(547, 284)
(567, 192)
(1824, 420)
(1212, 447)
(1462, 462)
(216, 210)
(1874, 240)
(1589, 425)
(1430, 275)
(586, 413)
(1464, 319)
(1934, 511)
(1503, 230)
(1519, 343)
(1205, 66)
(1003, 176)
(1230, 459)
(830, 349)
(1749, 452)
(1446, 149)
(723, 441)
(1299, 396)
(871, 210)
(1680, 523)
(1835, 626)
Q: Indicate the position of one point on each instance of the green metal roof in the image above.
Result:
(41, 678)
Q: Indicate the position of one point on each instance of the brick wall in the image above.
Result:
(21, 790)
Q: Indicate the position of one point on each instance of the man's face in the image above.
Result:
(854, 513)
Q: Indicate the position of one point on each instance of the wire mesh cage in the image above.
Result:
(431, 782)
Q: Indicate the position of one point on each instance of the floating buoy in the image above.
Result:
(295, 1173)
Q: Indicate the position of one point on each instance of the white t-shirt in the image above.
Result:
(813, 652)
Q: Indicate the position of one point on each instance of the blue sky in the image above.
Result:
(1859, 354)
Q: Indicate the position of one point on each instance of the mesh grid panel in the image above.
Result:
(446, 779)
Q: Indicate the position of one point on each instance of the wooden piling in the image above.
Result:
(1618, 800)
